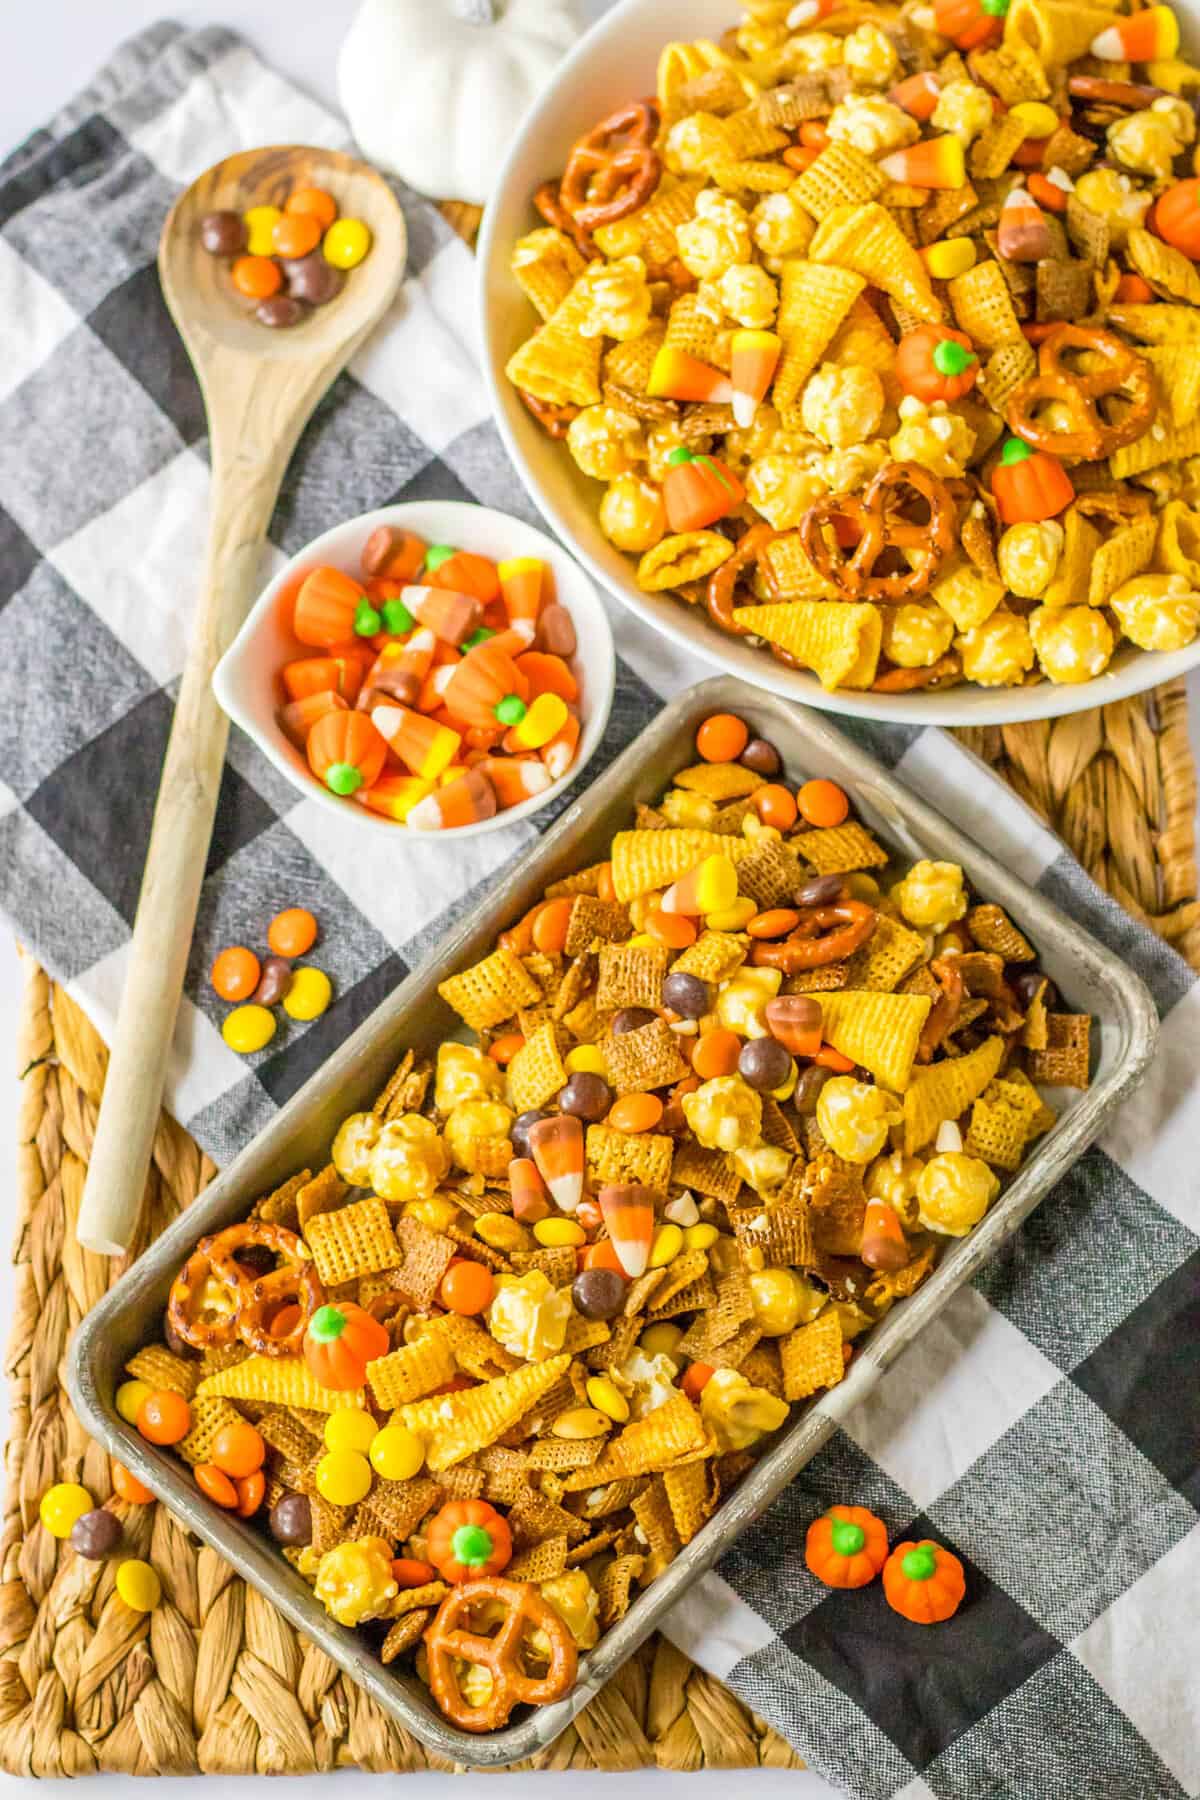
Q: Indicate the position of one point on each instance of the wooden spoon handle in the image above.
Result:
(243, 500)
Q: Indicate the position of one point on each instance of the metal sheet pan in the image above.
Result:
(1089, 976)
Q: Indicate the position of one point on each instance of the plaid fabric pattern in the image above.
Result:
(1046, 1428)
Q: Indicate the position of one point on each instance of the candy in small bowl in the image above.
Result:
(433, 667)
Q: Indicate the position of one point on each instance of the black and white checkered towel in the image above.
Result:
(1047, 1428)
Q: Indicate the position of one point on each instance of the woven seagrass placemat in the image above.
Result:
(215, 1680)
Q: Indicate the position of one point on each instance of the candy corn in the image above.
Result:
(628, 1213)
(529, 1202)
(677, 376)
(1148, 36)
(755, 355)
(917, 95)
(807, 12)
(400, 669)
(559, 752)
(949, 257)
(937, 163)
(424, 745)
(1023, 234)
(883, 1241)
(540, 722)
(708, 888)
(394, 795)
(1050, 191)
(557, 1146)
(449, 615)
(521, 580)
(464, 801)
(518, 778)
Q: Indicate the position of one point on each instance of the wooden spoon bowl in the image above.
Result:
(260, 387)
(203, 301)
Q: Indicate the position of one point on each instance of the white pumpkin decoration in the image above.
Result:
(434, 89)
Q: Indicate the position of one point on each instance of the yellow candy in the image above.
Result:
(1039, 120)
(500, 1232)
(138, 1585)
(607, 1398)
(343, 1477)
(699, 1237)
(660, 1339)
(260, 223)
(580, 1422)
(350, 1429)
(584, 1059)
(643, 940)
(545, 719)
(954, 256)
(129, 1398)
(789, 1087)
(667, 1243)
(555, 1233)
(309, 995)
(61, 1505)
(248, 1028)
(732, 918)
(346, 243)
(397, 1453)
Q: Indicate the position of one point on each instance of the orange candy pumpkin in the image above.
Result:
(971, 24)
(340, 1341)
(332, 608)
(923, 1582)
(346, 752)
(846, 1547)
(1029, 484)
(468, 1538)
(935, 363)
(1177, 216)
(462, 572)
(698, 490)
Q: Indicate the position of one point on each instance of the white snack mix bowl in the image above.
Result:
(615, 63)
(246, 680)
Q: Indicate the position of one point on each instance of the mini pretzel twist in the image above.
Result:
(875, 523)
(825, 934)
(254, 1301)
(1088, 435)
(942, 1016)
(554, 420)
(547, 203)
(614, 169)
(449, 1638)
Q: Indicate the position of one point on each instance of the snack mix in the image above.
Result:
(438, 687)
(726, 1097)
(881, 326)
(287, 260)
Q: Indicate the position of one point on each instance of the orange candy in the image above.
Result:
(636, 1112)
(164, 1417)
(505, 1047)
(775, 923)
(716, 1053)
(550, 926)
(696, 1378)
(467, 1288)
(128, 1487)
(257, 277)
(238, 1450)
(216, 1485)
(292, 932)
(721, 738)
(673, 929)
(823, 803)
(250, 1490)
(605, 886)
(235, 973)
(411, 1573)
(829, 1058)
(814, 133)
(296, 234)
(775, 806)
(314, 201)
(1133, 290)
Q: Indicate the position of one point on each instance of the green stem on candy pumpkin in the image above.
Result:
(682, 455)
(367, 621)
(846, 1537)
(327, 1324)
(920, 1564)
(951, 357)
(436, 555)
(343, 778)
(472, 1546)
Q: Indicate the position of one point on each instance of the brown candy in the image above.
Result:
(764, 1064)
(762, 757)
(290, 1520)
(586, 1095)
(821, 892)
(313, 280)
(556, 631)
(223, 233)
(598, 1293)
(96, 1534)
(273, 982)
(280, 312)
(808, 1089)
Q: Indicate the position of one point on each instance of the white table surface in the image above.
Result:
(52, 51)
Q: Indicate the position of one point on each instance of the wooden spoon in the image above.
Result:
(260, 387)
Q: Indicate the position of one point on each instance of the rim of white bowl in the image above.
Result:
(1133, 672)
(598, 677)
